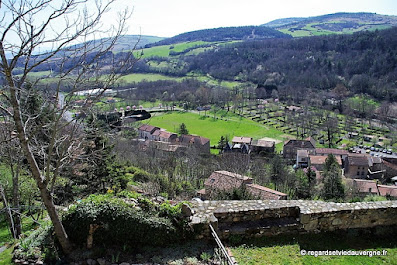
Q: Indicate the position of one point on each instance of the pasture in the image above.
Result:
(212, 128)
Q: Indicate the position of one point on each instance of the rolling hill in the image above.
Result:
(339, 23)
(224, 34)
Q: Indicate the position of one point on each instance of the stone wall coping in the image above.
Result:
(203, 210)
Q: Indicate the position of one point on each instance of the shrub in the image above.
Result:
(39, 245)
(120, 223)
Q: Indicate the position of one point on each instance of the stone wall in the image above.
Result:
(271, 217)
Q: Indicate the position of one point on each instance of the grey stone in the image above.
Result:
(101, 261)
(186, 210)
(336, 221)
(91, 262)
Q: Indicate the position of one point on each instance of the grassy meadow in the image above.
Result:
(164, 50)
(214, 129)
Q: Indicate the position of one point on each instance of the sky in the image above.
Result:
(167, 18)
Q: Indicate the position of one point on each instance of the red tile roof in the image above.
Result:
(333, 151)
(224, 180)
(366, 186)
(386, 190)
(320, 160)
(165, 134)
(147, 128)
(192, 139)
(358, 160)
(265, 189)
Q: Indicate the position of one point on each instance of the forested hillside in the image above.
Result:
(339, 23)
(224, 34)
(366, 62)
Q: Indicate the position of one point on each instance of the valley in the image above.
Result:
(115, 148)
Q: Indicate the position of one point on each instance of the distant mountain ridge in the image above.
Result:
(224, 34)
(338, 23)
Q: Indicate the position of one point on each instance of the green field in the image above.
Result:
(147, 77)
(287, 249)
(164, 50)
(214, 129)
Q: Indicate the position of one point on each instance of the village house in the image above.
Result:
(164, 136)
(318, 162)
(262, 146)
(376, 169)
(201, 144)
(241, 140)
(390, 166)
(237, 148)
(146, 131)
(372, 187)
(221, 181)
(365, 187)
(342, 154)
(356, 166)
(292, 146)
(158, 135)
(168, 147)
(302, 158)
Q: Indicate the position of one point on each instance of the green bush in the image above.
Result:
(38, 245)
(120, 223)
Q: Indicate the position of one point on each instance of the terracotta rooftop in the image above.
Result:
(387, 190)
(366, 186)
(192, 139)
(165, 134)
(147, 128)
(225, 180)
(262, 188)
(355, 160)
(320, 160)
(332, 151)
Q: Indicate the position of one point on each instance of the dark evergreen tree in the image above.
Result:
(182, 129)
(333, 187)
(99, 157)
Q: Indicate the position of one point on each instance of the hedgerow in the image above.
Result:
(121, 222)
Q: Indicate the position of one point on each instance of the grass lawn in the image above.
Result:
(6, 256)
(147, 77)
(214, 129)
(287, 249)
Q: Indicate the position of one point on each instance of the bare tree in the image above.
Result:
(26, 28)
(11, 155)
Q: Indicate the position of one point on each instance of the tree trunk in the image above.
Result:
(35, 170)
(56, 221)
(15, 199)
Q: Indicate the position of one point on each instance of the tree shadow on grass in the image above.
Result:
(338, 240)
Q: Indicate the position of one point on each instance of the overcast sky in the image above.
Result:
(166, 18)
